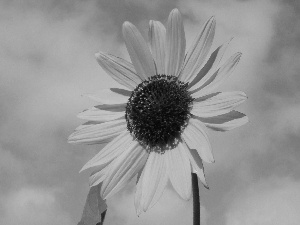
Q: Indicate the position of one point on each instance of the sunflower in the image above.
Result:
(156, 127)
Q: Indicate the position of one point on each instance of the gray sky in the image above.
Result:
(47, 62)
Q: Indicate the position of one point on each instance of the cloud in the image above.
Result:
(272, 201)
(33, 206)
(47, 52)
(48, 62)
(11, 171)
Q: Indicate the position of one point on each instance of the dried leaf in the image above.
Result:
(95, 208)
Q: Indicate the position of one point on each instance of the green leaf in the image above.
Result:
(95, 208)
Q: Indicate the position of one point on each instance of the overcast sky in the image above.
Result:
(47, 62)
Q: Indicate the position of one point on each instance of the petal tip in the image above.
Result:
(210, 160)
(175, 10)
(127, 25)
(188, 196)
(97, 55)
(101, 56)
(70, 139)
(138, 212)
(236, 58)
(211, 23)
(151, 23)
(246, 119)
(175, 14)
(243, 95)
(107, 195)
(212, 19)
(83, 168)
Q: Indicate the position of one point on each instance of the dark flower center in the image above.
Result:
(157, 112)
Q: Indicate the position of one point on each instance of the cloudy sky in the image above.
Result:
(47, 62)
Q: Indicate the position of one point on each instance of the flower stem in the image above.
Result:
(196, 199)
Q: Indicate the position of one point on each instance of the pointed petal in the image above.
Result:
(98, 133)
(152, 182)
(197, 164)
(111, 151)
(175, 43)
(157, 39)
(119, 69)
(138, 193)
(124, 168)
(218, 104)
(198, 51)
(209, 68)
(196, 138)
(213, 80)
(108, 96)
(95, 114)
(179, 170)
(103, 113)
(98, 176)
(139, 175)
(85, 125)
(139, 52)
(226, 121)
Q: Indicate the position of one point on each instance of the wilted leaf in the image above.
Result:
(95, 208)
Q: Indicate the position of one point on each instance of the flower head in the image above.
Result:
(155, 128)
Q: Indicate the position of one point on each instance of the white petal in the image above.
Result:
(138, 193)
(98, 176)
(124, 168)
(198, 51)
(218, 104)
(152, 182)
(86, 125)
(139, 175)
(179, 170)
(119, 69)
(109, 96)
(197, 165)
(209, 68)
(103, 113)
(196, 138)
(111, 151)
(218, 76)
(157, 39)
(175, 43)
(98, 133)
(226, 121)
(139, 52)
(96, 114)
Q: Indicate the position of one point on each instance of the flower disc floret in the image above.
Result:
(157, 112)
